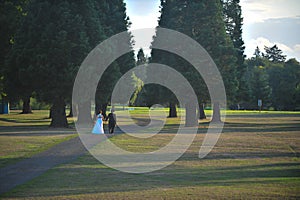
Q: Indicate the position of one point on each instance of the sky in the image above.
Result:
(266, 23)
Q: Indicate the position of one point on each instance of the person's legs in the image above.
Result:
(113, 128)
(110, 129)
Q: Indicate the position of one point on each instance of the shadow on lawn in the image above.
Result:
(263, 115)
(87, 175)
(88, 179)
(231, 127)
(239, 155)
(40, 130)
(259, 127)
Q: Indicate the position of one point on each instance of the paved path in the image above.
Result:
(27, 169)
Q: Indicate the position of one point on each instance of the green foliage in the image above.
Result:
(11, 13)
(139, 98)
(141, 59)
(274, 54)
(138, 85)
(233, 20)
(114, 21)
(260, 85)
(52, 40)
(284, 80)
(202, 21)
(274, 81)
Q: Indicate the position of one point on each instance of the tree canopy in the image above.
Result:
(51, 42)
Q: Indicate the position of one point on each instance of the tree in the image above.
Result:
(260, 85)
(203, 21)
(139, 96)
(284, 81)
(274, 81)
(233, 20)
(11, 13)
(115, 21)
(257, 52)
(51, 30)
(206, 26)
(141, 59)
(93, 15)
(274, 54)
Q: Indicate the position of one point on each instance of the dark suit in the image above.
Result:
(111, 117)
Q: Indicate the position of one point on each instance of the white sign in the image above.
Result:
(259, 102)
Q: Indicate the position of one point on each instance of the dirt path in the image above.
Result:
(25, 170)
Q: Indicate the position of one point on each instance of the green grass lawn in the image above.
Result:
(256, 157)
(22, 136)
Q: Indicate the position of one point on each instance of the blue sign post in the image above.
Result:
(4, 108)
(259, 103)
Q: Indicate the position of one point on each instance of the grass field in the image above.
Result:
(256, 157)
(22, 136)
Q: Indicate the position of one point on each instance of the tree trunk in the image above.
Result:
(97, 108)
(191, 115)
(172, 110)
(26, 106)
(71, 111)
(216, 113)
(201, 112)
(59, 118)
(104, 109)
(84, 113)
(50, 113)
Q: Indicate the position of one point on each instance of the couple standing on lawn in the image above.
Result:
(111, 117)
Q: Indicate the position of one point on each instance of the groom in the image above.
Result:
(111, 117)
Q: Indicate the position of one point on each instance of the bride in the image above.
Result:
(98, 128)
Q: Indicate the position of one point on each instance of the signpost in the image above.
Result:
(259, 103)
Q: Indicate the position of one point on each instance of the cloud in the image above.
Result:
(296, 52)
(297, 47)
(258, 11)
(282, 30)
(261, 42)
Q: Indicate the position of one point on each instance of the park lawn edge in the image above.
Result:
(42, 148)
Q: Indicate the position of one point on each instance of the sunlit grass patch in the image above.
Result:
(256, 156)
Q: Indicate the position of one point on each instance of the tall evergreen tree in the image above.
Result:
(233, 20)
(171, 12)
(141, 96)
(141, 59)
(94, 16)
(274, 54)
(115, 21)
(206, 26)
(50, 46)
(11, 13)
(257, 52)
(51, 43)
(203, 21)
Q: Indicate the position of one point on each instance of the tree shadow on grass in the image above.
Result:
(264, 115)
(259, 127)
(239, 155)
(91, 177)
(40, 130)
(231, 127)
